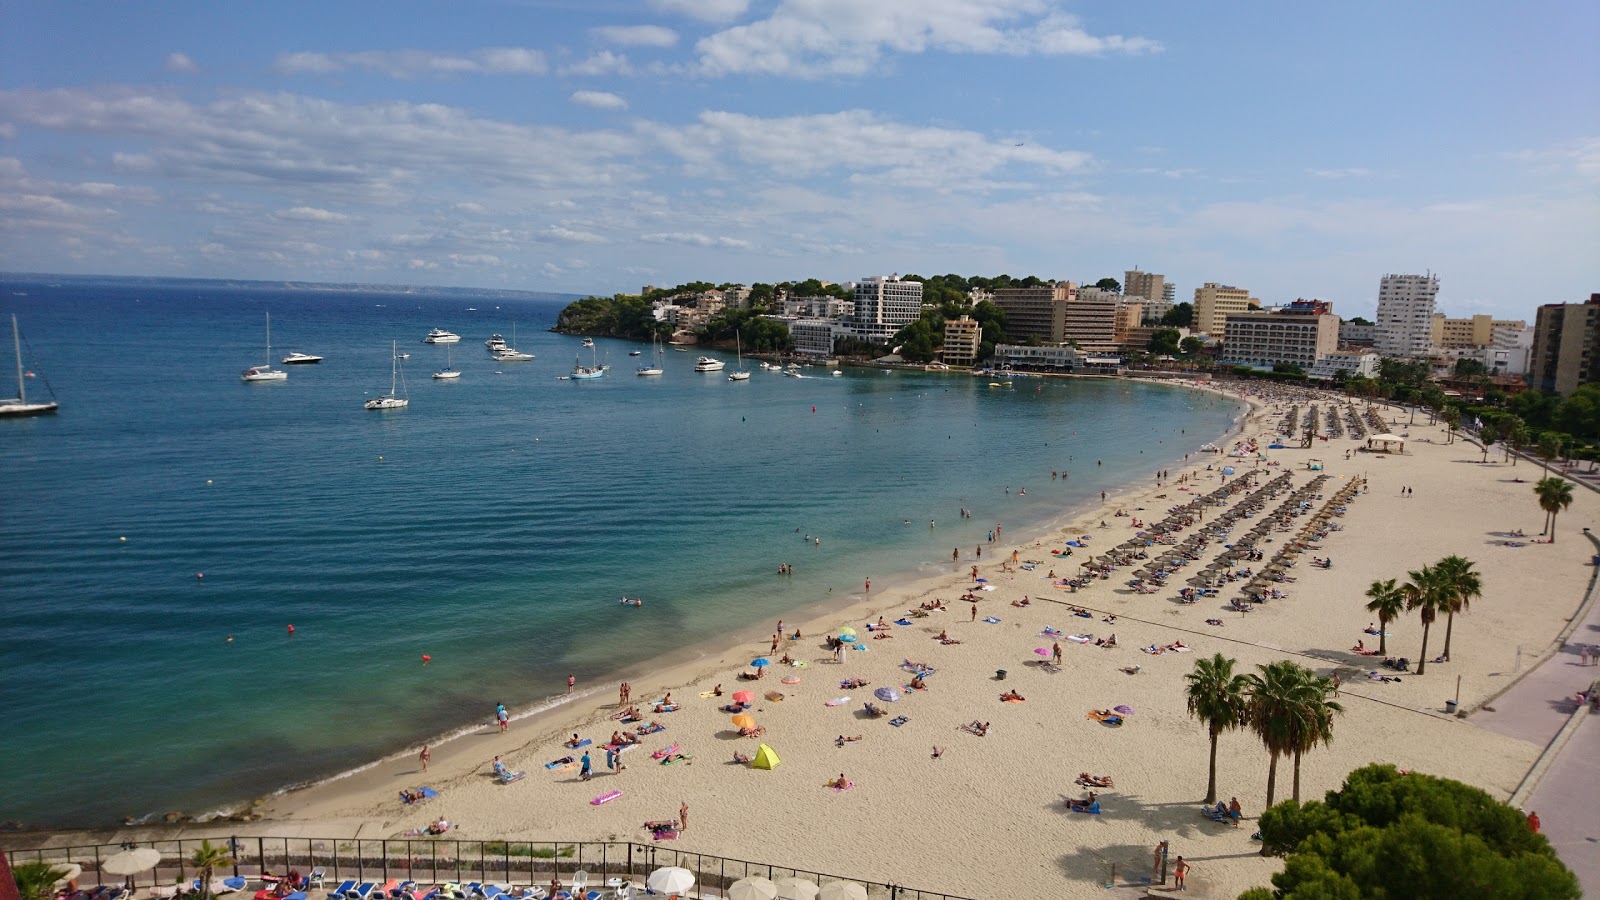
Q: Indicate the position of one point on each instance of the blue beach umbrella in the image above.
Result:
(887, 694)
(1227, 470)
(760, 663)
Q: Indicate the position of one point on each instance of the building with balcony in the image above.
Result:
(1036, 312)
(1474, 331)
(962, 338)
(1298, 333)
(1213, 302)
(1566, 346)
(1351, 362)
(1405, 315)
(1091, 322)
(884, 305)
(811, 336)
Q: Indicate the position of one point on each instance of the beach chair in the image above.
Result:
(344, 888)
(390, 888)
(362, 891)
(490, 891)
(315, 879)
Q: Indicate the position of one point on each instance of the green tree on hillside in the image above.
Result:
(1164, 341)
(1109, 284)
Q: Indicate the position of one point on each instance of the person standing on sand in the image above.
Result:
(869, 586)
(588, 764)
(623, 692)
(501, 716)
(425, 755)
(683, 816)
(1055, 652)
(571, 680)
(1180, 870)
(1160, 859)
(974, 612)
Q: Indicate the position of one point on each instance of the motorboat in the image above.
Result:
(496, 344)
(708, 364)
(837, 374)
(440, 336)
(301, 359)
(588, 342)
(509, 355)
(19, 405)
(394, 399)
(634, 353)
(266, 372)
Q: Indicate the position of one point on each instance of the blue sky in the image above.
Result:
(1292, 149)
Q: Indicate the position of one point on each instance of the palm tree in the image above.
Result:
(1549, 448)
(1452, 418)
(1312, 723)
(1274, 705)
(1519, 436)
(1461, 586)
(1388, 602)
(1488, 435)
(1217, 699)
(1423, 594)
(1555, 495)
(208, 859)
(36, 880)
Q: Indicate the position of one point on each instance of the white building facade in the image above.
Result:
(1405, 315)
(884, 305)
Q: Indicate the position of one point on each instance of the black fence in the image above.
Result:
(440, 860)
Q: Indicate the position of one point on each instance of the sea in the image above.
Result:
(160, 535)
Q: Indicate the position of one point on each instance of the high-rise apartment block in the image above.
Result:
(1405, 315)
(884, 306)
(962, 337)
(1036, 312)
(1150, 291)
(1213, 302)
(1566, 346)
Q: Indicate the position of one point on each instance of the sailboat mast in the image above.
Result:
(394, 365)
(269, 338)
(16, 343)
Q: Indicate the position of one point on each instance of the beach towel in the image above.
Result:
(605, 798)
(664, 751)
(560, 762)
(1080, 638)
(839, 790)
(665, 836)
(669, 760)
(897, 721)
(992, 620)
(708, 693)
(583, 743)
(902, 621)
(837, 701)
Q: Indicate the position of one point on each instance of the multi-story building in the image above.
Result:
(1091, 322)
(1405, 315)
(1475, 331)
(1130, 315)
(884, 305)
(1299, 333)
(819, 307)
(1148, 285)
(811, 336)
(1049, 357)
(962, 337)
(1213, 302)
(1566, 346)
(1350, 362)
(1036, 312)
(1353, 335)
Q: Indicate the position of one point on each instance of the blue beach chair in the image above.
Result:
(362, 891)
(343, 888)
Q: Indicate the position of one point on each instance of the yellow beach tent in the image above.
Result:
(766, 758)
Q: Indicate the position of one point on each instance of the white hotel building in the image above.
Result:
(884, 305)
(1405, 315)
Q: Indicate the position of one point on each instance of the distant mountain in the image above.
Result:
(307, 286)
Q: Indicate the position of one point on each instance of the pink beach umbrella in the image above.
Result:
(1041, 651)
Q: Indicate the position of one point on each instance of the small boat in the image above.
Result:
(266, 372)
(301, 359)
(708, 364)
(589, 342)
(633, 353)
(653, 369)
(19, 405)
(837, 374)
(393, 399)
(508, 353)
(681, 349)
(581, 372)
(440, 336)
(448, 371)
(496, 344)
(402, 356)
(740, 373)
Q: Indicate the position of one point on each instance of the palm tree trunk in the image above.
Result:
(1211, 780)
(1423, 660)
(1297, 776)
(1272, 777)
(1383, 636)
(1552, 526)
(1449, 625)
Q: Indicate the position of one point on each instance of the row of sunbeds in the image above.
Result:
(396, 889)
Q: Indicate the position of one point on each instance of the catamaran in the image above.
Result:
(266, 372)
(392, 400)
(19, 405)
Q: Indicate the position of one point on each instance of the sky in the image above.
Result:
(595, 146)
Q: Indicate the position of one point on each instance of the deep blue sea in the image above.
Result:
(491, 525)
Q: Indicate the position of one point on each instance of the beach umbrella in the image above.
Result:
(796, 889)
(1041, 651)
(753, 888)
(1125, 710)
(743, 721)
(743, 697)
(791, 679)
(670, 880)
(842, 890)
(760, 662)
(69, 871)
(132, 862)
(847, 630)
(887, 694)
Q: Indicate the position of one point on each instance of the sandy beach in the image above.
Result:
(987, 816)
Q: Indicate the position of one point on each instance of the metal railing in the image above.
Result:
(442, 860)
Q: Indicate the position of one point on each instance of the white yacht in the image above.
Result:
(19, 405)
(266, 372)
(496, 344)
(440, 336)
(449, 371)
(393, 399)
(510, 355)
(301, 359)
(708, 364)
(653, 368)
(589, 342)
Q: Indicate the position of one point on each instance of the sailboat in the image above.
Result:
(19, 405)
(582, 372)
(448, 371)
(654, 368)
(509, 352)
(392, 400)
(741, 373)
(266, 372)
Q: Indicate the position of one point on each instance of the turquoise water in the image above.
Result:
(492, 525)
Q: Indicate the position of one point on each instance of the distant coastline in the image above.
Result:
(307, 286)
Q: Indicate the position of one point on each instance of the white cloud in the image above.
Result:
(180, 62)
(562, 233)
(637, 35)
(1354, 172)
(310, 214)
(476, 209)
(1580, 156)
(475, 259)
(603, 63)
(422, 265)
(814, 38)
(409, 64)
(598, 100)
(693, 239)
(704, 10)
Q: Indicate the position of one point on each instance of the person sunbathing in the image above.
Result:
(1101, 781)
(853, 683)
(658, 827)
(841, 740)
(1012, 695)
(664, 708)
(874, 709)
(629, 739)
(671, 758)
(980, 729)
(947, 641)
(439, 827)
(1090, 805)
(741, 757)
(917, 684)
(786, 659)
(841, 783)
(1132, 670)
(882, 635)
(631, 713)
(756, 731)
